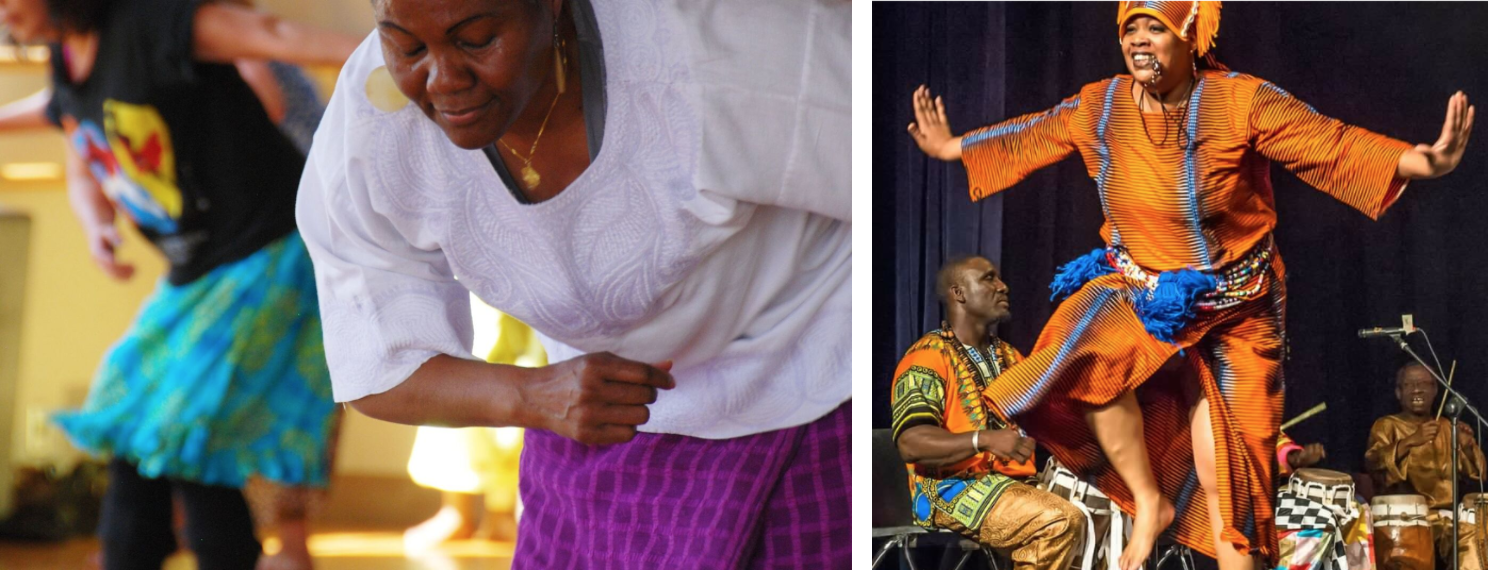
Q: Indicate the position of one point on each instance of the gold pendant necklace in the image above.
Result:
(530, 177)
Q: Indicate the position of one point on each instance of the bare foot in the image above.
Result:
(1152, 517)
(446, 525)
(285, 560)
(497, 527)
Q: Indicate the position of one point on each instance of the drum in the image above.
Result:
(1402, 535)
(1330, 488)
(1475, 508)
(1320, 524)
(1104, 523)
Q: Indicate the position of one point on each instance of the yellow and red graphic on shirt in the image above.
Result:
(131, 157)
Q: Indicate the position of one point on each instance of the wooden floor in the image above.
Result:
(345, 550)
(350, 532)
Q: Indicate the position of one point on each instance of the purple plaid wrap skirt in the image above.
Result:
(780, 499)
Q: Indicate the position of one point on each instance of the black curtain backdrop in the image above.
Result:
(1388, 67)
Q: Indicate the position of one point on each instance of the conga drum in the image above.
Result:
(1347, 522)
(1330, 488)
(1103, 520)
(1402, 535)
(1473, 511)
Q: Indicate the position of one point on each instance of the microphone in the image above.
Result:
(1378, 331)
(1407, 326)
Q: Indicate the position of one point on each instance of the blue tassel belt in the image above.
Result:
(1171, 297)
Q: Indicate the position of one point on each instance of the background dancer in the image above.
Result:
(222, 376)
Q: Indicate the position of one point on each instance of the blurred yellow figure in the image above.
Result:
(468, 463)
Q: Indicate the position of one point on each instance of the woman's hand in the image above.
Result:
(1431, 161)
(103, 240)
(96, 214)
(931, 130)
(595, 399)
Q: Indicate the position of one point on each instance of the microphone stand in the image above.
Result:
(1455, 405)
(1453, 409)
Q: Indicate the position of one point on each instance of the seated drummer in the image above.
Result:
(1409, 454)
(962, 456)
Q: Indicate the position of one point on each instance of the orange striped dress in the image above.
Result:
(1198, 196)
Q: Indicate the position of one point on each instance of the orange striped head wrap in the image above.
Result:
(1196, 22)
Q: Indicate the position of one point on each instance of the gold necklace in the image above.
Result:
(530, 177)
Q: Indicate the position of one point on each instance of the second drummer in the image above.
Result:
(1410, 452)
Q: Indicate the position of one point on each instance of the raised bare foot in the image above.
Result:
(1152, 517)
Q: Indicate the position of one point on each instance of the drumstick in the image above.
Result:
(1315, 410)
(1443, 404)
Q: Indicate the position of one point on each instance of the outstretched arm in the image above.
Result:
(996, 156)
(931, 130)
(258, 76)
(1431, 161)
(96, 214)
(28, 113)
(226, 32)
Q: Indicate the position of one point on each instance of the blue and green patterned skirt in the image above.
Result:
(219, 379)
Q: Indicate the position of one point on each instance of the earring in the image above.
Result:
(558, 64)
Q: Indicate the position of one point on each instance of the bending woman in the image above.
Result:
(661, 189)
(1180, 150)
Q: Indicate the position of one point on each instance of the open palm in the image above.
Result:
(1446, 153)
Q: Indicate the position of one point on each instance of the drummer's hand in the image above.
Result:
(1007, 445)
(1424, 435)
(1466, 435)
(1308, 456)
(931, 129)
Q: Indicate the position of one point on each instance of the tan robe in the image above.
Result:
(1426, 470)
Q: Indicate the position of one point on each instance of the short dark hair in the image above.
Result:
(1400, 374)
(78, 15)
(946, 277)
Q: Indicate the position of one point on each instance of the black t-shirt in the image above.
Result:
(183, 148)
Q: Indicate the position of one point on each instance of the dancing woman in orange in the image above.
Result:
(1180, 150)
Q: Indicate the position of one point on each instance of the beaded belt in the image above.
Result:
(1238, 283)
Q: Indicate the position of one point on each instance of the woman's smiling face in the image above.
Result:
(470, 65)
(1153, 51)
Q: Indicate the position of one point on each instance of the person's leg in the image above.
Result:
(807, 522)
(1234, 432)
(1091, 356)
(219, 527)
(135, 525)
(1441, 535)
(1118, 428)
(672, 501)
(1467, 544)
(291, 513)
(1204, 466)
(1038, 527)
(456, 519)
